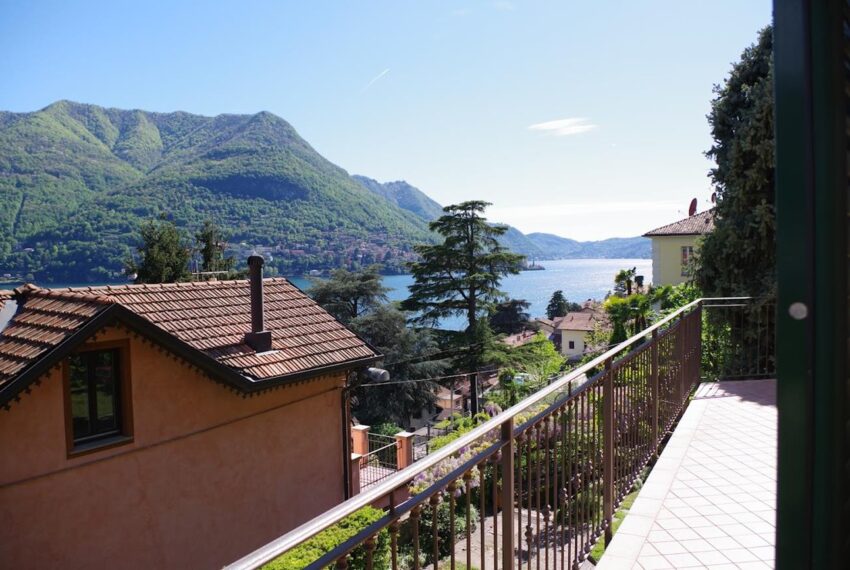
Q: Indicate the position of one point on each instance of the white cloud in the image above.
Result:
(374, 79)
(564, 127)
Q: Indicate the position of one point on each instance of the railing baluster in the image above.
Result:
(394, 544)
(452, 526)
(369, 545)
(528, 527)
(537, 492)
(415, 515)
(435, 502)
(608, 450)
(547, 490)
(507, 469)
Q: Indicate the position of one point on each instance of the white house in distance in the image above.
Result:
(569, 333)
(673, 245)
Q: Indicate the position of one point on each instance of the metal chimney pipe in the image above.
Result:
(255, 271)
(258, 338)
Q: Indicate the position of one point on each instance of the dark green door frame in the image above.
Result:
(811, 198)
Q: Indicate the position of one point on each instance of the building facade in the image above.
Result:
(673, 247)
(143, 430)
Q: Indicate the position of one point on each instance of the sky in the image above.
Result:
(582, 119)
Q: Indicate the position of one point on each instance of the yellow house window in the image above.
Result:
(687, 254)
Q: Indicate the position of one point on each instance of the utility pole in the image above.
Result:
(473, 392)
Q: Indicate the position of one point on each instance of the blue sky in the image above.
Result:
(584, 119)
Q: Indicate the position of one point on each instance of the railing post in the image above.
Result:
(360, 439)
(404, 449)
(681, 337)
(507, 467)
(698, 356)
(354, 473)
(654, 395)
(608, 449)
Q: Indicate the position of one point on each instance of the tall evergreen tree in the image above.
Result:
(738, 257)
(461, 275)
(211, 245)
(163, 254)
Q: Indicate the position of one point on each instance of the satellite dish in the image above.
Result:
(692, 209)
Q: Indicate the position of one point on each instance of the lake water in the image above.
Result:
(579, 279)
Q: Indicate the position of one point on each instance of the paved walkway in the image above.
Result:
(710, 500)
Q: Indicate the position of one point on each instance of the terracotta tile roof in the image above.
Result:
(43, 320)
(211, 317)
(577, 321)
(697, 224)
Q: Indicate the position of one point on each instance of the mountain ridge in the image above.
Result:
(79, 179)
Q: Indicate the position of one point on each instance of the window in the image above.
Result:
(687, 255)
(96, 403)
(572, 344)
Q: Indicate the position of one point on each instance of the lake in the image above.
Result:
(579, 279)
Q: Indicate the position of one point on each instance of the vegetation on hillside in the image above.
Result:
(78, 181)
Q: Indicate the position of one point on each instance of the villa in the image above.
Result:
(168, 426)
(673, 247)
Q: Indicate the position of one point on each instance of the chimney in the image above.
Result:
(258, 339)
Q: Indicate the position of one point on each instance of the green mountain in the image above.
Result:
(556, 247)
(404, 196)
(76, 181)
(535, 245)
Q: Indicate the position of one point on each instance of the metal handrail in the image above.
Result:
(309, 529)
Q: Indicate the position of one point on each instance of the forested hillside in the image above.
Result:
(76, 180)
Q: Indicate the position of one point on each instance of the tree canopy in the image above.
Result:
(408, 355)
(559, 306)
(510, 317)
(211, 244)
(163, 254)
(348, 295)
(461, 275)
(739, 257)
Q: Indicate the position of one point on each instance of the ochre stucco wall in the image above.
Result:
(209, 476)
(667, 258)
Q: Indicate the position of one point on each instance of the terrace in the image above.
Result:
(540, 484)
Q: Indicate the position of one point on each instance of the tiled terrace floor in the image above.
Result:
(710, 500)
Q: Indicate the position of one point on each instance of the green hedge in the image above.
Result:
(328, 539)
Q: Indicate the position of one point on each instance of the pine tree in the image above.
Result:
(211, 244)
(461, 275)
(163, 255)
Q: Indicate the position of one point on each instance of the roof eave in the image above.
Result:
(216, 370)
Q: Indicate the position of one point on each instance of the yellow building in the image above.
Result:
(673, 246)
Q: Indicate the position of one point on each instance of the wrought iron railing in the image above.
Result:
(536, 485)
(381, 461)
(738, 339)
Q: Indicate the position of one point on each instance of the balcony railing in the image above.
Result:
(538, 484)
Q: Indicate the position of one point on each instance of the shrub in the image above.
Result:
(310, 551)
